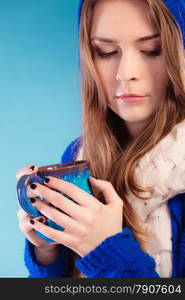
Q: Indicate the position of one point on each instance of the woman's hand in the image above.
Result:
(87, 221)
(46, 253)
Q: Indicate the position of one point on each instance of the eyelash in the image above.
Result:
(152, 53)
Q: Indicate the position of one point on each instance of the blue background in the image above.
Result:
(40, 111)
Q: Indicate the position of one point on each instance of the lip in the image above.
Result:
(131, 99)
(128, 95)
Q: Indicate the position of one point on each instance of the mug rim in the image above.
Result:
(71, 165)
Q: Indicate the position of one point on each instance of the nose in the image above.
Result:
(127, 69)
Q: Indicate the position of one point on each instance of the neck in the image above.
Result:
(135, 128)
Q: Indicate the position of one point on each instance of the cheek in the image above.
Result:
(159, 78)
(160, 87)
(106, 74)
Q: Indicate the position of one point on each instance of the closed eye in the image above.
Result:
(105, 54)
(155, 52)
(151, 53)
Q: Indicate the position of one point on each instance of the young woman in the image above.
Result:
(133, 90)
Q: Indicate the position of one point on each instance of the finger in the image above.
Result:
(24, 220)
(107, 189)
(22, 215)
(60, 237)
(34, 238)
(58, 200)
(58, 217)
(73, 191)
(30, 169)
(27, 229)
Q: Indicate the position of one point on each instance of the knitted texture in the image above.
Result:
(181, 262)
(58, 269)
(181, 257)
(176, 8)
(163, 161)
(175, 204)
(119, 255)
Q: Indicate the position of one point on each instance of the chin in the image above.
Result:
(133, 118)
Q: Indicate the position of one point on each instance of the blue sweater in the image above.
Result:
(120, 255)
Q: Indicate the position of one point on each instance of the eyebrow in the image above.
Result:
(142, 39)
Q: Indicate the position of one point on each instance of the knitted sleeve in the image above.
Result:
(71, 151)
(59, 268)
(119, 256)
(181, 252)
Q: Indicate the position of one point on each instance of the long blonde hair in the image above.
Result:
(113, 154)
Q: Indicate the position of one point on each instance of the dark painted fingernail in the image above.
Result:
(32, 200)
(32, 168)
(33, 186)
(32, 222)
(46, 180)
(41, 220)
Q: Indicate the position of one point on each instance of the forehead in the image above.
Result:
(121, 19)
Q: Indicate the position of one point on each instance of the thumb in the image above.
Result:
(107, 189)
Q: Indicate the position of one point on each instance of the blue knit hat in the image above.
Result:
(176, 7)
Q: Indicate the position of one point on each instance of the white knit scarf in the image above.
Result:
(164, 168)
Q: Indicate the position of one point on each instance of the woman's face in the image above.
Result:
(126, 63)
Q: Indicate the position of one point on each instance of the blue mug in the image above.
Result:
(76, 172)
